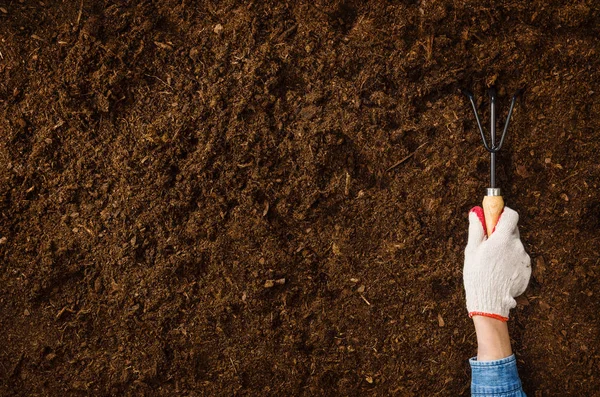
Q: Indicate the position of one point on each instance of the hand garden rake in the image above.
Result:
(493, 203)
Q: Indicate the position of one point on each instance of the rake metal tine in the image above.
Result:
(492, 93)
(472, 100)
(512, 105)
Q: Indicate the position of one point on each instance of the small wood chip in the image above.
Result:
(336, 249)
(441, 322)
(369, 379)
(522, 171)
(361, 289)
(539, 269)
(218, 28)
(272, 283)
(3, 10)
(347, 188)
(163, 45)
(3, 240)
(98, 285)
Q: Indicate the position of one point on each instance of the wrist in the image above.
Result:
(493, 340)
(490, 315)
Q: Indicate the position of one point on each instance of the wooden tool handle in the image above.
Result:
(492, 208)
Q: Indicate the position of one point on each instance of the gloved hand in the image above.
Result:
(497, 269)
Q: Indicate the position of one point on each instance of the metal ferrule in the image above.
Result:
(493, 191)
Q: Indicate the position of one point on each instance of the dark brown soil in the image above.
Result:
(195, 198)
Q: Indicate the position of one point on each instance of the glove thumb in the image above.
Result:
(507, 223)
(476, 227)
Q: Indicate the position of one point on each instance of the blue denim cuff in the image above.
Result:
(497, 377)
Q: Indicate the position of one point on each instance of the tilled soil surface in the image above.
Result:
(271, 198)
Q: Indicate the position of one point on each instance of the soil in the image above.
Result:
(199, 198)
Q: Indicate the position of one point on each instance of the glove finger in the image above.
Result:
(507, 224)
(476, 227)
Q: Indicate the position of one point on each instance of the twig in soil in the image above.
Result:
(288, 32)
(63, 310)
(347, 188)
(158, 78)
(406, 158)
(79, 14)
(570, 176)
(365, 299)
(233, 365)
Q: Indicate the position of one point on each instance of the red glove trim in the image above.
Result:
(495, 316)
(479, 212)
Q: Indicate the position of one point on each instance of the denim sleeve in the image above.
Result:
(497, 378)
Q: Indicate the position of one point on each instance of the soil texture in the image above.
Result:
(271, 197)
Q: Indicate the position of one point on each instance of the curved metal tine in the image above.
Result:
(512, 105)
(471, 98)
(493, 94)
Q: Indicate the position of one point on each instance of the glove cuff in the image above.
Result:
(491, 315)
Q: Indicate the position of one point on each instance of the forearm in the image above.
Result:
(494, 371)
(493, 341)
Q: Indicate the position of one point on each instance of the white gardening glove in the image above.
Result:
(497, 268)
